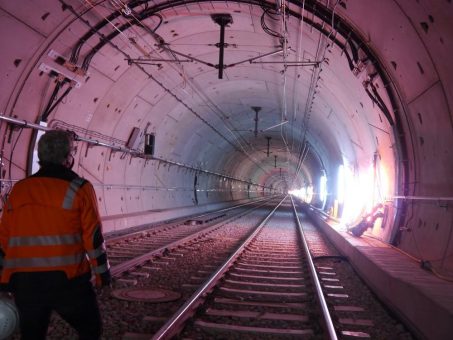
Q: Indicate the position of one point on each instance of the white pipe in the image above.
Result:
(424, 198)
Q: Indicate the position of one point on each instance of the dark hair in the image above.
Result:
(54, 147)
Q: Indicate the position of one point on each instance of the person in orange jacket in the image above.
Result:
(51, 241)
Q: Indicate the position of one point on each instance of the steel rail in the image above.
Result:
(325, 216)
(325, 310)
(173, 325)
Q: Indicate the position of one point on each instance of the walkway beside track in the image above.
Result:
(418, 297)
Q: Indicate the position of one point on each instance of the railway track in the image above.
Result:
(268, 288)
(135, 249)
(246, 279)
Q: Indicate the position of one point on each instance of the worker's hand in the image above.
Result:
(5, 295)
(104, 291)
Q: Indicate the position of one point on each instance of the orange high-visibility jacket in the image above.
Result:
(51, 222)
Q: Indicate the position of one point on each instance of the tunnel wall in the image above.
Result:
(414, 46)
(130, 190)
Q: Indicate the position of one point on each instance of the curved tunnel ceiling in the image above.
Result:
(353, 83)
(269, 86)
(292, 84)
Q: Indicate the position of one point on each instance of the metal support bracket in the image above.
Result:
(222, 19)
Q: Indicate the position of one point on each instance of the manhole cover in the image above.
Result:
(145, 294)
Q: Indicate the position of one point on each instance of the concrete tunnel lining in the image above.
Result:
(400, 63)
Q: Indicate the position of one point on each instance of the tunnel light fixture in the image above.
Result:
(357, 192)
(149, 144)
(349, 194)
(323, 189)
(341, 184)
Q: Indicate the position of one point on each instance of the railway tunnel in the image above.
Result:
(181, 107)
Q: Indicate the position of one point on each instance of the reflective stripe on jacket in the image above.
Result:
(51, 223)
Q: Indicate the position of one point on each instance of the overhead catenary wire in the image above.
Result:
(107, 39)
(280, 15)
(119, 30)
(284, 115)
(223, 117)
(320, 55)
(295, 87)
(158, 7)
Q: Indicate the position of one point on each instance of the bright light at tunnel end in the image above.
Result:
(357, 192)
(305, 194)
